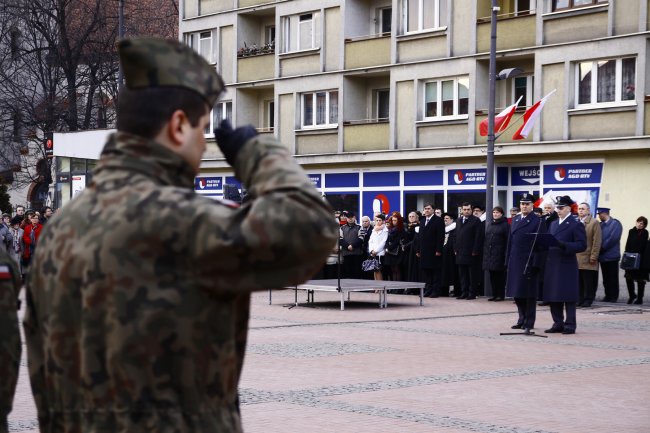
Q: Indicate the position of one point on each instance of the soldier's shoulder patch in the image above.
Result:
(5, 272)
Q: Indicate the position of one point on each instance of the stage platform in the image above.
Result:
(349, 285)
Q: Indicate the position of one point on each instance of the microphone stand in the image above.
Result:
(528, 332)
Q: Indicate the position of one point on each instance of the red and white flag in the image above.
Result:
(530, 117)
(501, 120)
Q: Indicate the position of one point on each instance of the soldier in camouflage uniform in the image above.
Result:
(10, 347)
(138, 300)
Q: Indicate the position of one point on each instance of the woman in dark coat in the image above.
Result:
(411, 264)
(449, 268)
(494, 253)
(394, 253)
(637, 239)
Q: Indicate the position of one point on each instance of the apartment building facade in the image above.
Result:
(380, 101)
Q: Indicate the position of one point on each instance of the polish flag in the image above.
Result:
(501, 120)
(530, 117)
(5, 273)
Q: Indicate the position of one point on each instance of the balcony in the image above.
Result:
(367, 51)
(255, 67)
(576, 25)
(366, 135)
(248, 3)
(512, 32)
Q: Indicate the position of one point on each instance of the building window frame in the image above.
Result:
(202, 44)
(435, 99)
(311, 117)
(384, 23)
(294, 27)
(421, 26)
(221, 110)
(381, 107)
(587, 92)
(528, 92)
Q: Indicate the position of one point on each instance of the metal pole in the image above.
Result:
(120, 35)
(489, 181)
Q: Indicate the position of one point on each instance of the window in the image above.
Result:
(384, 20)
(269, 34)
(523, 86)
(523, 7)
(202, 43)
(269, 107)
(300, 32)
(570, 4)
(606, 81)
(419, 15)
(446, 98)
(320, 109)
(382, 104)
(222, 110)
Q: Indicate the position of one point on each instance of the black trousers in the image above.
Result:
(468, 283)
(527, 309)
(432, 278)
(351, 266)
(610, 280)
(588, 285)
(557, 312)
(498, 282)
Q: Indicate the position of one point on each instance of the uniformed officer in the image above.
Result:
(523, 262)
(10, 346)
(561, 286)
(140, 289)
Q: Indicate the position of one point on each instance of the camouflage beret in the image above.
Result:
(148, 62)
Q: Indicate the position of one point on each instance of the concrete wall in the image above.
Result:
(554, 112)
(228, 54)
(299, 65)
(442, 135)
(317, 143)
(433, 47)
(333, 36)
(405, 114)
(247, 3)
(463, 19)
(287, 120)
(256, 68)
(578, 27)
(626, 16)
(212, 6)
(512, 33)
(602, 125)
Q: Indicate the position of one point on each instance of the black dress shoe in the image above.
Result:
(568, 331)
(639, 301)
(492, 299)
(605, 299)
(498, 299)
(586, 304)
(544, 304)
(517, 326)
(554, 330)
(462, 297)
(470, 297)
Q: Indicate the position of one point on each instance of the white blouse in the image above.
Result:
(377, 241)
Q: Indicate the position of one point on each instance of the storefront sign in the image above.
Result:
(470, 176)
(341, 180)
(423, 178)
(315, 179)
(388, 178)
(567, 174)
(524, 176)
(208, 183)
(380, 202)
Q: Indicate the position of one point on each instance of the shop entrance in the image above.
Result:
(344, 201)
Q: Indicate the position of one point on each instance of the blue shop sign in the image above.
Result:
(566, 174)
(315, 179)
(387, 178)
(341, 180)
(232, 180)
(466, 176)
(423, 178)
(524, 176)
(207, 183)
(385, 202)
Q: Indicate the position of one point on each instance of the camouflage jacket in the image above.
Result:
(140, 289)
(10, 346)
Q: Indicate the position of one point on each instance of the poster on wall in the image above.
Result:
(78, 184)
(578, 195)
(384, 202)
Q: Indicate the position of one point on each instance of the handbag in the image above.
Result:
(630, 261)
(371, 265)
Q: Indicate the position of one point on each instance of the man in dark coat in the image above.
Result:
(351, 245)
(429, 250)
(524, 262)
(561, 285)
(470, 232)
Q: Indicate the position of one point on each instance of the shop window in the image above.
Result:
(446, 98)
(609, 81)
(421, 15)
(300, 32)
(320, 109)
(571, 4)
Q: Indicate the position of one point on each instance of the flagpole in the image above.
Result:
(489, 181)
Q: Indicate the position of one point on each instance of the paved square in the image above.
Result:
(442, 367)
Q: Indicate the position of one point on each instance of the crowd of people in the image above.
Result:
(547, 256)
(19, 234)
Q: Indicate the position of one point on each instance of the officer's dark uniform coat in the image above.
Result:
(522, 282)
(561, 270)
